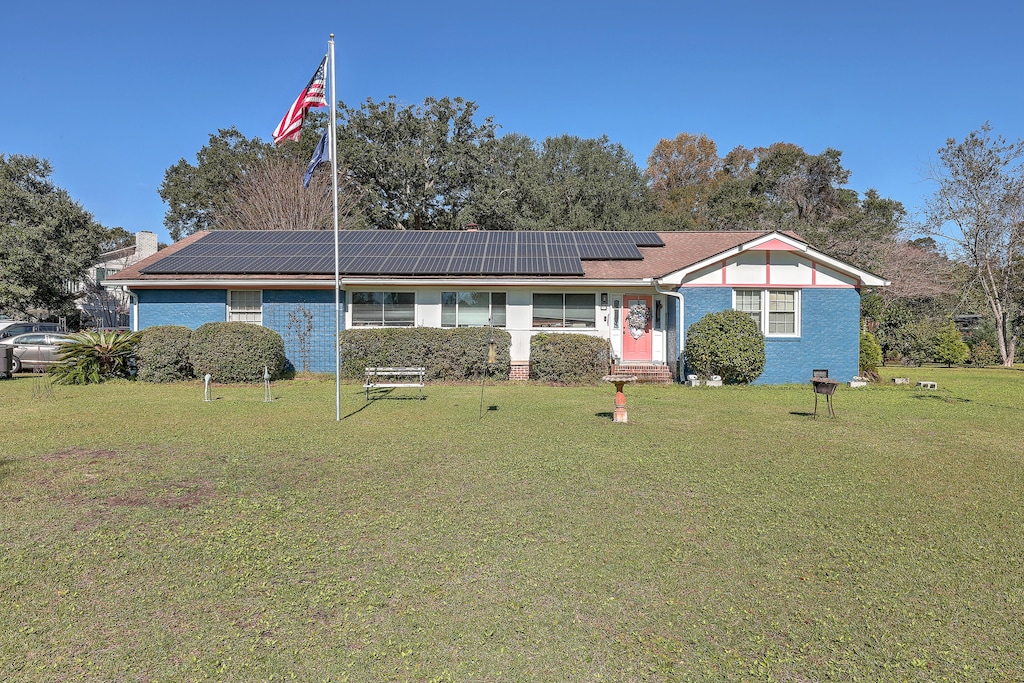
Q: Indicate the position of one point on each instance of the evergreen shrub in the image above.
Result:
(870, 355)
(91, 357)
(236, 352)
(162, 355)
(569, 358)
(984, 354)
(727, 344)
(948, 345)
(446, 354)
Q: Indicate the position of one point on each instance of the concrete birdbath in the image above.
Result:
(619, 415)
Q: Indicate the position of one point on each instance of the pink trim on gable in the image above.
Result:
(725, 264)
(774, 245)
(768, 267)
(814, 273)
(761, 285)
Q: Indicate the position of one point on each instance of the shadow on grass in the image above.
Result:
(608, 414)
(944, 399)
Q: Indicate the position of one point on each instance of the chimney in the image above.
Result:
(145, 244)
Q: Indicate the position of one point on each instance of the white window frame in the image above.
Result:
(764, 317)
(592, 323)
(383, 321)
(241, 311)
(502, 322)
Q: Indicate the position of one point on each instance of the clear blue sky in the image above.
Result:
(113, 93)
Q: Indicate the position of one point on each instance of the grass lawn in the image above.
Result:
(723, 534)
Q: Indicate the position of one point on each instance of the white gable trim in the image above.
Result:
(676, 278)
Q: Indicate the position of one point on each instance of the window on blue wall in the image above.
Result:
(245, 306)
(776, 312)
(383, 309)
(472, 309)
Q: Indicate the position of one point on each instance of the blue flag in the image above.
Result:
(321, 154)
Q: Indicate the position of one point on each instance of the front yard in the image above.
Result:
(723, 534)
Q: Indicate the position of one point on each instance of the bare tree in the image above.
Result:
(979, 208)
(270, 196)
(916, 272)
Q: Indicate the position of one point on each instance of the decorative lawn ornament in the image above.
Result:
(206, 387)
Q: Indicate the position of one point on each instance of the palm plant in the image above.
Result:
(89, 357)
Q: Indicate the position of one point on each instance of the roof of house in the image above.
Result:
(425, 254)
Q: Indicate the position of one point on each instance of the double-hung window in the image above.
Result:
(245, 306)
(472, 309)
(564, 310)
(383, 309)
(776, 312)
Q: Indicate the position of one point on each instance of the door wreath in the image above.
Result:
(637, 319)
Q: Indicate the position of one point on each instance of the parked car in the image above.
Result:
(35, 350)
(12, 328)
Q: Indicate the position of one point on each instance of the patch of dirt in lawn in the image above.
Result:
(181, 495)
(91, 454)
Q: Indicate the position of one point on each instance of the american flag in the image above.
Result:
(311, 96)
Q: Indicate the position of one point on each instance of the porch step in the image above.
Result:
(646, 373)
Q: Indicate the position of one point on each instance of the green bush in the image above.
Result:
(727, 344)
(91, 357)
(870, 355)
(569, 358)
(447, 354)
(949, 346)
(162, 355)
(236, 352)
(984, 354)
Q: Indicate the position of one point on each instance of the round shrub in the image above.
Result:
(236, 352)
(984, 354)
(162, 355)
(569, 358)
(727, 344)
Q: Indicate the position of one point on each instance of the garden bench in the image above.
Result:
(394, 378)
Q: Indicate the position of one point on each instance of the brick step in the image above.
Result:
(646, 373)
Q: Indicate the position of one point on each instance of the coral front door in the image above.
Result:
(636, 328)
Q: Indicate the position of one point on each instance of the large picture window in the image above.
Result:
(383, 309)
(472, 309)
(245, 306)
(776, 312)
(564, 310)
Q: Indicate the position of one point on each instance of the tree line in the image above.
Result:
(437, 165)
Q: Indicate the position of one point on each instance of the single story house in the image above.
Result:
(639, 290)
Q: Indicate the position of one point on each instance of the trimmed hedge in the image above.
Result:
(447, 354)
(569, 358)
(727, 344)
(236, 352)
(162, 355)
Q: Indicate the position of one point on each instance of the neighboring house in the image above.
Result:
(806, 303)
(102, 306)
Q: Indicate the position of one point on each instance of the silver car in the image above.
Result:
(35, 350)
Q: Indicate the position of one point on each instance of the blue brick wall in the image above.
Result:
(829, 333)
(287, 311)
(283, 312)
(189, 307)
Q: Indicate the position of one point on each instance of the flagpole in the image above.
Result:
(337, 276)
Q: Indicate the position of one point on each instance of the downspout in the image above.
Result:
(135, 308)
(679, 323)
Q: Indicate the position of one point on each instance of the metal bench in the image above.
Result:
(394, 378)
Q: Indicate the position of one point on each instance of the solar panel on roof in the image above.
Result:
(388, 252)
